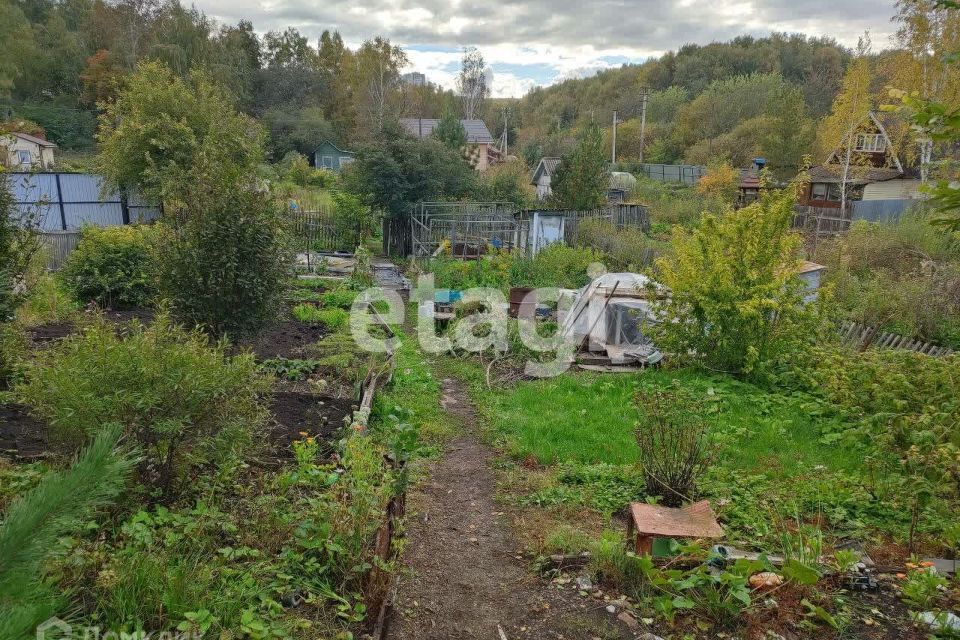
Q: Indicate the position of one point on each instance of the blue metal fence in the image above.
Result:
(881, 210)
(67, 201)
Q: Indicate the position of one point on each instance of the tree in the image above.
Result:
(161, 126)
(581, 180)
(34, 522)
(376, 79)
(736, 302)
(850, 111)
(16, 45)
(939, 121)
(101, 78)
(450, 131)
(789, 133)
(472, 83)
(394, 172)
(928, 37)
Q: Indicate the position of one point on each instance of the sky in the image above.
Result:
(530, 43)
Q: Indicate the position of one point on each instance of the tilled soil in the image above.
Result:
(286, 339)
(294, 413)
(466, 578)
(21, 434)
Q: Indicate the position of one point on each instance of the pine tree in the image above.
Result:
(35, 521)
(450, 131)
(582, 178)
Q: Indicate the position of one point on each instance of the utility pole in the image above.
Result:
(644, 93)
(503, 137)
(613, 150)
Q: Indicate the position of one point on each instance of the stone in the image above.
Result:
(648, 636)
(611, 608)
(628, 620)
(940, 620)
(584, 583)
(765, 579)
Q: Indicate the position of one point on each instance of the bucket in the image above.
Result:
(518, 307)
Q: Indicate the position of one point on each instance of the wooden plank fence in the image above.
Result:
(861, 336)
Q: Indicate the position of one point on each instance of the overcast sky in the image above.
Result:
(539, 42)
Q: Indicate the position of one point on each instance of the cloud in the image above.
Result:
(570, 37)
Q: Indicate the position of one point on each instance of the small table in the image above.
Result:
(648, 521)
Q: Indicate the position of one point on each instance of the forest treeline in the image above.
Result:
(730, 101)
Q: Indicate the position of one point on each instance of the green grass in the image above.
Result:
(589, 418)
(413, 396)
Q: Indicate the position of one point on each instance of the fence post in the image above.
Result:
(63, 214)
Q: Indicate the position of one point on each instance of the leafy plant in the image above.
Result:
(922, 588)
(671, 436)
(112, 266)
(178, 397)
(737, 304)
(227, 252)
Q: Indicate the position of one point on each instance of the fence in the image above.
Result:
(860, 335)
(470, 227)
(685, 173)
(882, 210)
(59, 244)
(821, 221)
(67, 201)
(320, 231)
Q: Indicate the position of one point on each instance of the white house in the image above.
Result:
(541, 177)
(23, 152)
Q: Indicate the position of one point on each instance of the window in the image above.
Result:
(25, 158)
(871, 142)
(327, 162)
(833, 193)
(818, 191)
(345, 160)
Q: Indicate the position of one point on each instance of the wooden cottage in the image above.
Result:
(330, 156)
(875, 171)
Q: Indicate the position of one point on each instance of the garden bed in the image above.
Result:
(286, 339)
(295, 413)
(21, 433)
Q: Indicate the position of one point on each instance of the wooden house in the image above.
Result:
(480, 150)
(330, 156)
(875, 171)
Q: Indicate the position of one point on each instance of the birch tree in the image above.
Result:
(850, 110)
(378, 65)
(928, 35)
(472, 83)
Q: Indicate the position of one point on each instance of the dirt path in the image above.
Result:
(463, 576)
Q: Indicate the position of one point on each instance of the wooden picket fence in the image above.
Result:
(856, 334)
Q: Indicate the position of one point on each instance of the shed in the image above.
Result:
(542, 175)
(330, 156)
(811, 273)
(24, 152)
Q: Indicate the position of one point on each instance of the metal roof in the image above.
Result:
(477, 131)
(33, 139)
(546, 165)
